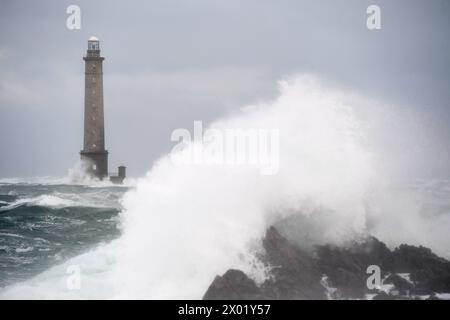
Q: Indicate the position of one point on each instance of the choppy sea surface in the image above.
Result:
(43, 224)
(47, 226)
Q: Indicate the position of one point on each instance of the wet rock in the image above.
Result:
(346, 267)
(295, 275)
(383, 296)
(408, 272)
(428, 271)
(403, 286)
(234, 284)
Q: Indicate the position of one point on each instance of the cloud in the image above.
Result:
(229, 85)
(18, 93)
(4, 53)
(25, 89)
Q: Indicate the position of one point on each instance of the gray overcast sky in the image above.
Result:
(171, 62)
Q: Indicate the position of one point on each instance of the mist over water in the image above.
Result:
(181, 225)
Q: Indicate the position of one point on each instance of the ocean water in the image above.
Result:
(46, 228)
(43, 224)
(171, 232)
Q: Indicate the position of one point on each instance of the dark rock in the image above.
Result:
(383, 296)
(299, 274)
(234, 284)
(346, 267)
(403, 286)
(433, 297)
(295, 275)
(428, 271)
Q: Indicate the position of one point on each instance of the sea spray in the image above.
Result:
(184, 224)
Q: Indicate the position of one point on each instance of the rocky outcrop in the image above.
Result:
(294, 275)
(333, 272)
(428, 272)
(346, 267)
(233, 285)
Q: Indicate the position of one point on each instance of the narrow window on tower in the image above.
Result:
(94, 167)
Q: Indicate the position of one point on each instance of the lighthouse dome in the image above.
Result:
(93, 38)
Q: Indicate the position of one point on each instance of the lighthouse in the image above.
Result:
(94, 153)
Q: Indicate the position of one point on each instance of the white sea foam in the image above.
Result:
(45, 180)
(7, 234)
(46, 200)
(76, 176)
(57, 200)
(53, 201)
(22, 250)
(183, 225)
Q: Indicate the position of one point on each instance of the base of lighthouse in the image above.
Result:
(96, 163)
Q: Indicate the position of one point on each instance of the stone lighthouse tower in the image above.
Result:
(94, 152)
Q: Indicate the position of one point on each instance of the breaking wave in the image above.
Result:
(181, 225)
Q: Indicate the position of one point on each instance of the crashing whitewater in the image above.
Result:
(181, 225)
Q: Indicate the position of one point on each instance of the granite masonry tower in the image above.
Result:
(94, 152)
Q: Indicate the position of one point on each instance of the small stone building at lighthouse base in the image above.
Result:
(94, 154)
